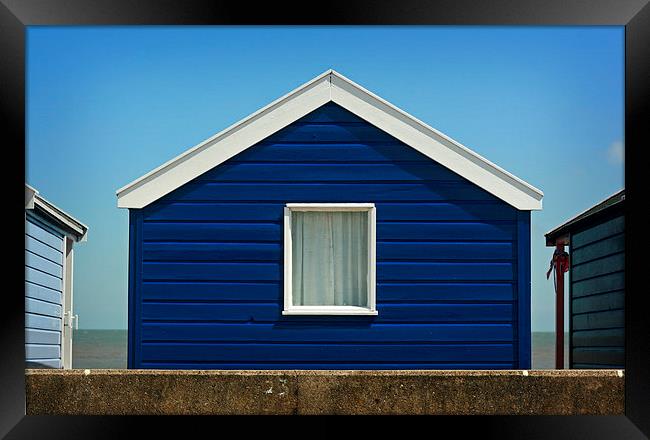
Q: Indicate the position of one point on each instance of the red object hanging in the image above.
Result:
(560, 265)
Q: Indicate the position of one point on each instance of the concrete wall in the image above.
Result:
(114, 392)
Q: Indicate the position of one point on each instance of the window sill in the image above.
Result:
(334, 310)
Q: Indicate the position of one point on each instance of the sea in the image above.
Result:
(107, 349)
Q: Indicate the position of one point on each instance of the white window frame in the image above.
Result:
(289, 308)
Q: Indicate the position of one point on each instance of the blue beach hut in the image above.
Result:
(50, 235)
(329, 230)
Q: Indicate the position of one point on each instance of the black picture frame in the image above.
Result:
(15, 15)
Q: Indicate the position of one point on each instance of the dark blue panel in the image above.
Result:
(182, 211)
(193, 231)
(272, 291)
(445, 231)
(308, 365)
(258, 312)
(211, 251)
(211, 291)
(332, 113)
(523, 346)
(276, 152)
(327, 192)
(324, 332)
(391, 250)
(327, 352)
(243, 172)
(323, 133)
(419, 271)
(211, 271)
(208, 260)
(445, 211)
(440, 291)
(272, 212)
(135, 286)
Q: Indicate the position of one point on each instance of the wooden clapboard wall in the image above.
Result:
(43, 293)
(453, 261)
(597, 294)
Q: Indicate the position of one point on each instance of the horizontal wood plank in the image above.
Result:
(42, 308)
(600, 284)
(212, 271)
(445, 231)
(43, 293)
(212, 251)
(42, 249)
(598, 232)
(399, 292)
(46, 237)
(42, 322)
(318, 133)
(319, 172)
(344, 152)
(440, 291)
(328, 192)
(325, 352)
(599, 303)
(263, 232)
(600, 320)
(444, 251)
(611, 264)
(614, 337)
(196, 312)
(608, 356)
(598, 249)
(331, 113)
(420, 271)
(42, 351)
(322, 332)
(404, 251)
(273, 212)
(44, 363)
(43, 265)
(320, 365)
(41, 278)
(40, 336)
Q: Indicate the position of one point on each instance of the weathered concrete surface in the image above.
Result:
(104, 392)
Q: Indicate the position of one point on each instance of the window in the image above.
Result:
(329, 259)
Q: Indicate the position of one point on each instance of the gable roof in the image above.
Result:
(330, 86)
(67, 223)
(613, 204)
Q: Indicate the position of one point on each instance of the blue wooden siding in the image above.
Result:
(206, 261)
(597, 295)
(43, 299)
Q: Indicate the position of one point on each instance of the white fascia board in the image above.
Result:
(434, 144)
(79, 230)
(226, 144)
(329, 86)
(30, 193)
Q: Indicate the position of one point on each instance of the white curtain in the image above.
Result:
(330, 258)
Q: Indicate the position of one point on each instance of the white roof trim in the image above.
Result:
(79, 230)
(326, 87)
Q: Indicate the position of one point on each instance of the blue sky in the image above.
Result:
(108, 104)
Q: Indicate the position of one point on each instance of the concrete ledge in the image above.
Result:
(466, 392)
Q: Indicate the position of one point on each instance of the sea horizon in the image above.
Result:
(106, 349)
